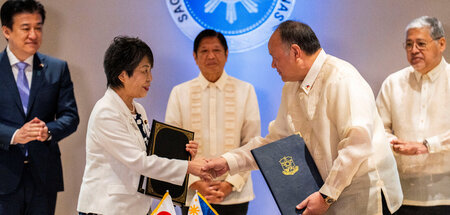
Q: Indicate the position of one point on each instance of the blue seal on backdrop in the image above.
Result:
(246, 24)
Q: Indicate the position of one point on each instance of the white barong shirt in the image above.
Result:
(415, 107)
(334, 110)
(224, 115)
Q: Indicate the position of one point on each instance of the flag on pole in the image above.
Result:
(165, 206)
(199, 206)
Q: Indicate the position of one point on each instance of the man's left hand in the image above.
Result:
(43, 131)
(408, 148)
(314, 204)
(224, 187)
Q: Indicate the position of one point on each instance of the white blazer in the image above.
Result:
(115, 159)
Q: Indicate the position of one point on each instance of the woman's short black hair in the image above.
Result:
(124, 54)
(210, 33)
(13, 7)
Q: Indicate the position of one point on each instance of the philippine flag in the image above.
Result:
(165, 206)
(199, 206)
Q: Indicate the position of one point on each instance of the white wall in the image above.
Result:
(367, 33)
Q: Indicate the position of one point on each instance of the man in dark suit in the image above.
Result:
(37, 109)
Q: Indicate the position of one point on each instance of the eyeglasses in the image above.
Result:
(421, 45)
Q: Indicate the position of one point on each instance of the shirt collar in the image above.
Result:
(434, 73)
(311, 76)
(123, 107)
(13, 59)
(220, 83)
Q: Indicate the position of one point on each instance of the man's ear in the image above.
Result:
(195, 58)
(442, 44)
(297, 51)
(6, 32)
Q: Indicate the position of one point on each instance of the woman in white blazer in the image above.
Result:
(116, 138)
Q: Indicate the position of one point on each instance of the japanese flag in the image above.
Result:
(165, 206)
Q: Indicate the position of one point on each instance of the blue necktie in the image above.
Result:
(22, 85)
(24, 92)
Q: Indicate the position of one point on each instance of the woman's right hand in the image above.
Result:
(195, 168)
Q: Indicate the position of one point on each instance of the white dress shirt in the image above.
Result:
(415, 107)
(116, 157)
(224, 115)
(334, 110)
(13, 61)
(28, 73)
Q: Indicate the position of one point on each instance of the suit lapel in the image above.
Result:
(39, 68)
(9, 81)
(122, 107)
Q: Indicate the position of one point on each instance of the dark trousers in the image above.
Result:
(237, 209)
(422, 210)
(29, 198)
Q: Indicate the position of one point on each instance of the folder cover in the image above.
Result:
(289, 171)
(169, 142)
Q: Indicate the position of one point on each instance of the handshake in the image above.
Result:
(208, 169)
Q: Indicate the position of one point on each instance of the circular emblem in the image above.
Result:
(246, 24)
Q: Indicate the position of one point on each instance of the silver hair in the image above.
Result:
(436, 29)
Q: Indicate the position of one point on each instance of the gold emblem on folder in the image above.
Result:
(288, 165)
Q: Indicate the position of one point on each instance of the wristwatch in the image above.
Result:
(327, 199)
(425, 142)
(49, 137)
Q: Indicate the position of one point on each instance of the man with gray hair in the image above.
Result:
(413, 104)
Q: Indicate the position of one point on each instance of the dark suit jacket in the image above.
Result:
(51, 100)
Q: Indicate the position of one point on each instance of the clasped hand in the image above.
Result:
(35, 129)
(408, 148)
(195, 165)
(208, 169)
(214, 191)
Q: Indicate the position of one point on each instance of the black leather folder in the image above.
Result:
(289, 171)
(169, 142)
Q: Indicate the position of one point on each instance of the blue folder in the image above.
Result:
(289, 171)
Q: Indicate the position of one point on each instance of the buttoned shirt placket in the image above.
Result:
(212, 118)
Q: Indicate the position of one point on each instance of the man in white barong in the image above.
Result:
(223, 112)
(414, 106)
(332, 106)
